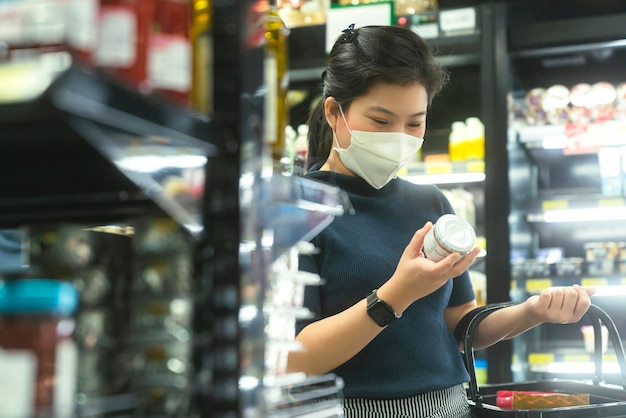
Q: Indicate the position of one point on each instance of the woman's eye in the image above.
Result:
(379, 121)
(415, 125)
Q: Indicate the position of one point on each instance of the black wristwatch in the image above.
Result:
(380, 311)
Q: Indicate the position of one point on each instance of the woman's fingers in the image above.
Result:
(563, 304)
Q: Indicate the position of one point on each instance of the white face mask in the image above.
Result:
(377, 156)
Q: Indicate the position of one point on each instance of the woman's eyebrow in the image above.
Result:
(390, 113)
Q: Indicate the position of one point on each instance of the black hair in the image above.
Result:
(359, 59)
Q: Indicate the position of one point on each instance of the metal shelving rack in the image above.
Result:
(556, 198)
(70, 150)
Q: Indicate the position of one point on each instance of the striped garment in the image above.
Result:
(446, 403)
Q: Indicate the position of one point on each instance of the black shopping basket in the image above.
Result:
(606, 401)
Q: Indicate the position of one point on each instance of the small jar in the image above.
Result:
(38, 355)
(450, 234)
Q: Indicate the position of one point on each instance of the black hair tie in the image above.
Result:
(348, 35)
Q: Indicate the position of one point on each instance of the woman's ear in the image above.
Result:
(331, 111)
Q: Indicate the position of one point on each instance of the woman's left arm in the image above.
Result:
(560, 305)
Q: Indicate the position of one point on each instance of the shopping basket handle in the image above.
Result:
(598, 318)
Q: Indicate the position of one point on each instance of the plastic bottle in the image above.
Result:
(202, 57)
(276, 76)
(456, 144)
(475, 137)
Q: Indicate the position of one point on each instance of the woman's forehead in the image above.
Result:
(394, 98)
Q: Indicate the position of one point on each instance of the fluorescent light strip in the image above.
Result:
(610, 291)
(581, 368)
(446, 178)
(585, 215)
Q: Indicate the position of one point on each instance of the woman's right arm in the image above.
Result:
(332, 341)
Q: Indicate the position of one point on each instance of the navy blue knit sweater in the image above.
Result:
(360, 252)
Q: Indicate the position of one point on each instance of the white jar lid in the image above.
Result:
(455, 234)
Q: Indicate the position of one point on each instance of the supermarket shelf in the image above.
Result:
(80, 147)
(550, 37)
(294, 208)
(591, 137)
(610, 285)
(445, 172)
(581, 209)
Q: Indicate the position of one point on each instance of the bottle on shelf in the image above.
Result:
(276, 76)
(169, 51)
(475, 138)
(123, 33)
(456, 142)
(201, 57)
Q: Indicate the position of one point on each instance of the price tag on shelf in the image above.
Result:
(576, 358)
(594, 281)
(476, 166)
(537, 285)
(540, 358)
(438, 168)
(609, 358)
(554, 204)
(613, 202)
(456, 20)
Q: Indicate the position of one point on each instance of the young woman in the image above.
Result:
(386, 313)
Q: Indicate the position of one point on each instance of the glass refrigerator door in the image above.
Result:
(567, 149)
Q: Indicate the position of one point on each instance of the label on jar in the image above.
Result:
(449, 234)
(117, 40)
(17, 386)
(169, 62)
(65, 371)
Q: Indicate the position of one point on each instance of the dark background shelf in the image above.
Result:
(54, 172)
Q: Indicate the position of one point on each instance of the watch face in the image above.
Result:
(381, 314)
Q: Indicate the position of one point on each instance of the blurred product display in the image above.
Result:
(201, 37)
(160, 47)
(37, 348)
(276, 77)
(148, 254)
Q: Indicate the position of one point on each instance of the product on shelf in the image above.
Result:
(276, 77)
(601, 257)
(610, 164)
(555, 103)
(202, 57)
(410, 7)
(123, 37)
(169, 50)
(297, 13)
(569, 266)
(603, 96)
(621, 257)
(456, 142)
(38, 355)
(475, 137)
(160, 336)
(583, 103)
(467, 140)
(32, 27)
(581, 100)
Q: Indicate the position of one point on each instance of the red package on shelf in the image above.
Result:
(539, 400)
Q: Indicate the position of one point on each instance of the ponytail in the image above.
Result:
(320, 136)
